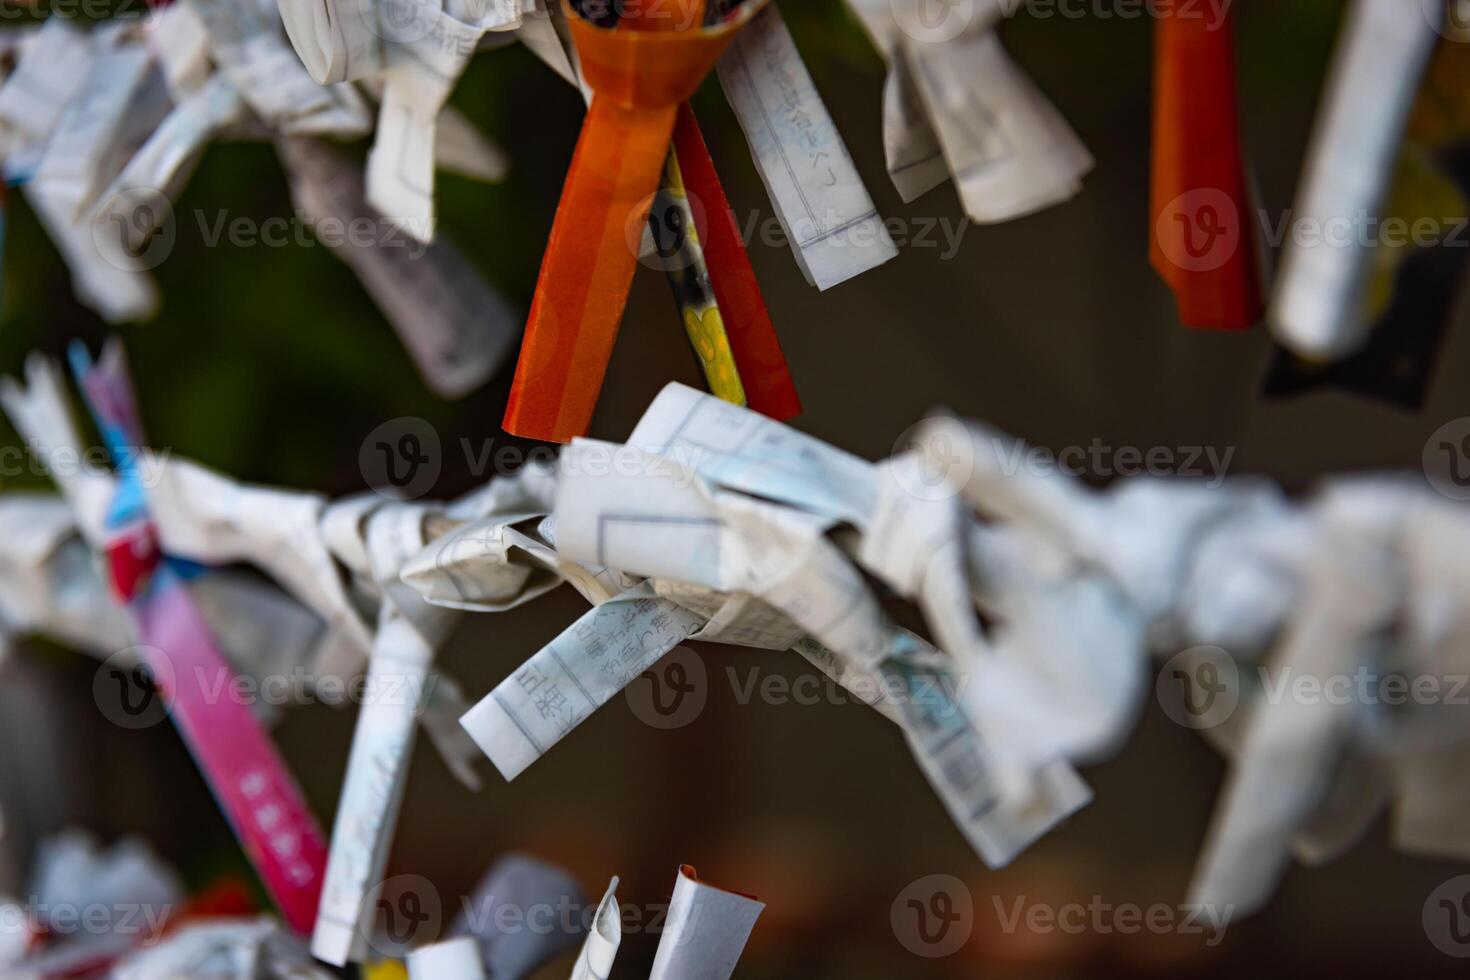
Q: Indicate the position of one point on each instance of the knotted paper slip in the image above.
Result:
(640, 71)
(1203, 242)
(254, 788)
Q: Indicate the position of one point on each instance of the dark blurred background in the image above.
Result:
(273, 365)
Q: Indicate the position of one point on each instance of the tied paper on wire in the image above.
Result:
(648, 524)
(910, 537)
(956, 105)
(925, 707)
(414, 51)
(95, 97)
(559, 687)
(382, 741)
(105, 126)
(245, 44)
(736, 449)
(1009, 150)
(378, 540)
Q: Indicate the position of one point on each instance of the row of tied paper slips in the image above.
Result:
(155, 929)
(1045, 601)
(102, 127)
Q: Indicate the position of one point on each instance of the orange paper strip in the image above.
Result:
(1203, 242)
(639, 72)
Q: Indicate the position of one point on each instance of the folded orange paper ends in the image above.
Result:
(640, 71)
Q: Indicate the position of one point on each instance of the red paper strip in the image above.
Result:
(1203, 242)
(758, 356)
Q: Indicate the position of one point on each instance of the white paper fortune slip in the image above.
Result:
(452, 959)
(53, 67)
(49, 582)
(706, 931)
(121, 101)
(600, 948)
(954, 104)
(377, 540)
(640, 514)
(1291, 747)
(913, 538)
(180, 41)
(457, 329)
(416, 50)
(223, 949)
(913, 685)
(554, 691)
(246, 44)
(157, 172)
(93, 92)
(1380, 57)
(833, 227)
(916, 163)
(1010, 151)
(337, 40)
(382, 740)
